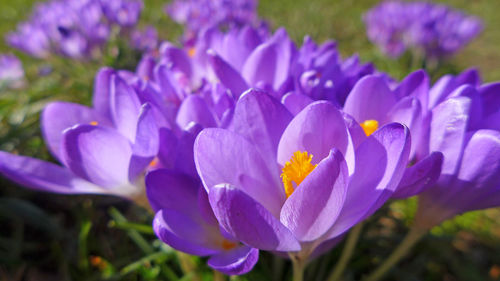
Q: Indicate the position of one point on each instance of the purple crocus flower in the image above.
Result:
(283, 183)
(434, 30)
(11, 72)
(372, 103)
(464, 127)
(144, 40)
(125, 13)
(73, 28)
(173, 85)
(319, 73)
(105, 149)
(184, 219)
(267, 67)
(30, 39)
(298, 77)
(197, 15)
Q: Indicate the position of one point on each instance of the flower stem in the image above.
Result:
(187, 265)
(218, 276)
(299, 265)
(347, 252)
(278, 264)
(413, 236)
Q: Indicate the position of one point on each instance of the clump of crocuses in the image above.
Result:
(73, 28)
(197, 15)
(431, 30)
(242, 141)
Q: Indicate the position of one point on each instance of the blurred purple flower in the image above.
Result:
(144, 40)
(332, 175)
(30, 39)
(11, 72)
(435, 30)
(73, 28)
(125, 13)
(197, 15)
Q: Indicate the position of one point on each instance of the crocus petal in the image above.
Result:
(313, 207)
(490, 97)
(269, 63)
(45, 176)
(167, 189)
(97, 154)
(480, 170)
(420, 176)
(260, 119)
(295, 102)
(416, 84)
(147, 142)
(125, 107)
(178, 58)
(228, 76)
(235, 262)
(194, 109)
(447, 84)
(182, 233)
(184, 159)
(248, 221)
(101, 97)
(409, 113)
(59, 116)
(238, 44)
(168, 84)
(370, 99)
(145, 67)
(380, 163)
(316, 129)
(355, 131)
(447, 131)
(222, 157)
(476, 185)
(261, 65)
(476, 116)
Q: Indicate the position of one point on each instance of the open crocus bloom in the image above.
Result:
(465, 128)
(283, 183)
(185, 221)
(373, 104)
(105, 149)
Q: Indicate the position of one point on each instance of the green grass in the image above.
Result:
(56, 237)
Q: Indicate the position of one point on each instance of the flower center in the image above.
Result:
(154, 162)
(228, 245)
(94, 123)
(191, 52)
(296, 170)
(369, 126)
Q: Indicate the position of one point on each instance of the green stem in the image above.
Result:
(278, 264)
(299, 265)
(347, 252)
(218, 276)
(187, 265)
(413, 236)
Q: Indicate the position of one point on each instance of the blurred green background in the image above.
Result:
(56, 237)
